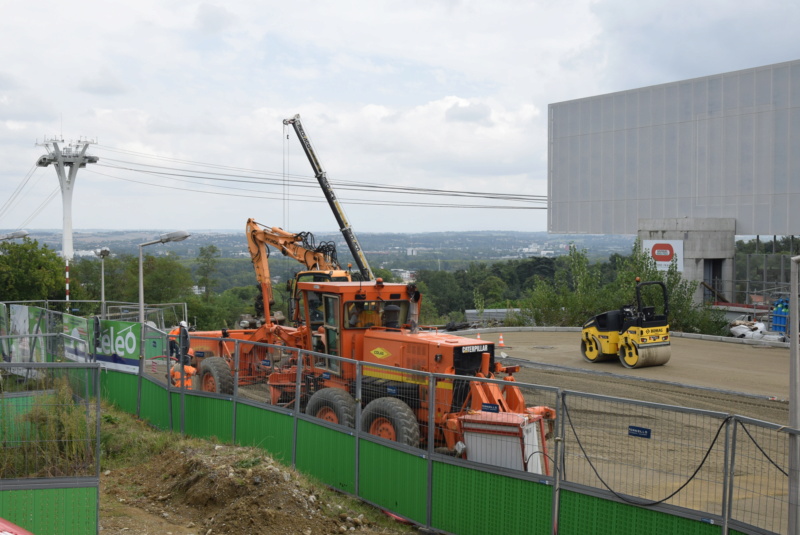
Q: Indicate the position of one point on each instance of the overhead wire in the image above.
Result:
(308, 198)
(285, 181)
(39, 209)
(310, 182)
(15, 194)
(305, 180)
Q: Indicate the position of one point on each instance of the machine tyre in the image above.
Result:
(215, 376)
(391, 419)
(592, 354)
(333, 405)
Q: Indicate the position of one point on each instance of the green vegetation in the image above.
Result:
(28, 271)
(564, 290)
(46, 434)
(579, 292)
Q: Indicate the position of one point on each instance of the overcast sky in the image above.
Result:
(443, 95)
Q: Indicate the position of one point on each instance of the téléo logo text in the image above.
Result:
(122, 342)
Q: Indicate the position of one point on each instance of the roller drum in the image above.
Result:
(592, 350)
(632, 356)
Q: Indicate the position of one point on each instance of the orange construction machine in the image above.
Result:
(373, 322)
(376, 324)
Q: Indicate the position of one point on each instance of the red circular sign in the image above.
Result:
(662, 252)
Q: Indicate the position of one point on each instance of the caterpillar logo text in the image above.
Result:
(475, 349)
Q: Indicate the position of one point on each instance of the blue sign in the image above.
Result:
(391, 390)
(490, 407)
(641, 432)
(266, 363)
(326, 376)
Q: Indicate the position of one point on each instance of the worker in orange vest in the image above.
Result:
(181, 374)
(174, 334)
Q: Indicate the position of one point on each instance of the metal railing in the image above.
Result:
(707, 466)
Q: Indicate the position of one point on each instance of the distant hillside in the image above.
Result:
(469, 245)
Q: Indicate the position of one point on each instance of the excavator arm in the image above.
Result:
(297, 246)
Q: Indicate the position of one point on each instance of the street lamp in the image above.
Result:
(178, 235)
(103, 252)
(14, 235)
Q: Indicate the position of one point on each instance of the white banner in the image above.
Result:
(664, 251)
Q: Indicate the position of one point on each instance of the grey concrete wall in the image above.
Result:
(719, 146)
(703, 238)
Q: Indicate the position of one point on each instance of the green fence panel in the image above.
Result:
(70, 511)
(13, 427)
(327, 455)
(155, 407)
(394, 479)
(120, 389)
(469, 501)
(581, 514)
(210, 418)
(265, 429)
(176, 410)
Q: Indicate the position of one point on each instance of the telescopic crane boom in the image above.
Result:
(338, 211)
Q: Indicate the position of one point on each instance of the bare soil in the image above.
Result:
(218, 489)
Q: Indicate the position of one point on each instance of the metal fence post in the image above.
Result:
(297, 394)
(235, 387)
(431, 438)
(141, 371)
(96, 380)
(359, 375)
(169, 386)
(558, 460)
(794, 404)
(730, 474)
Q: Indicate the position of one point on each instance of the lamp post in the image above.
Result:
(14, 235)
(103, 252)
(178, 235)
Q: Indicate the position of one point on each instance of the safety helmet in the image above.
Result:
(183, 324)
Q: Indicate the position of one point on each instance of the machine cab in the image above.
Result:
(338, 314)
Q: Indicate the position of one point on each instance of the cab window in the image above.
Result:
(366, 314)
(327, 335)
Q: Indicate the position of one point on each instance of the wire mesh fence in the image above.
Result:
(48, 420)
(760, 482)
(646, 454)
(698, 463)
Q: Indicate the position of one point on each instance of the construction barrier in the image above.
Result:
(618, 466)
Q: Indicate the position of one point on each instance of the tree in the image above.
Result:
(384, 274)
(30, 272)
(207, 268)
(492, 289)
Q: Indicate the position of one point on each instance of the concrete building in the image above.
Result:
(690, 163)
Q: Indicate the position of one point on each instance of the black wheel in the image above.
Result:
(392, 419)
(215, 376)
(333, 405)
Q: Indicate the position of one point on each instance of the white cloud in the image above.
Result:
(443, 94)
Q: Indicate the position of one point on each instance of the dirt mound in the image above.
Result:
(225, 490)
